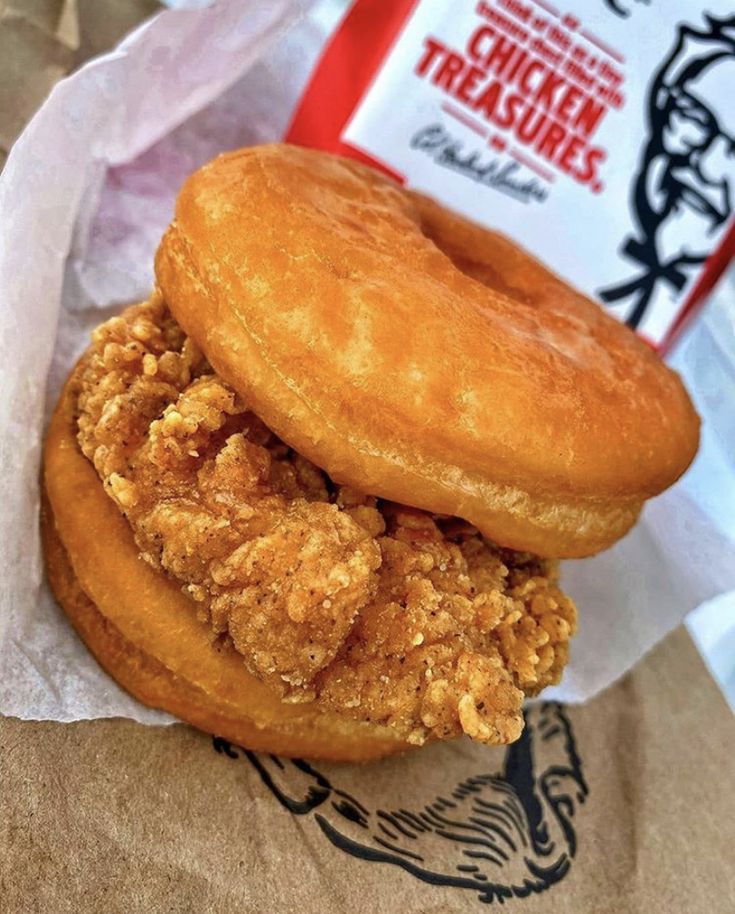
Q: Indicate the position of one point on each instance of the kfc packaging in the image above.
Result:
(598, 136)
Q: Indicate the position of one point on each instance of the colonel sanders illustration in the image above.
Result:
(500, 835)
(621, 7)
(683, 191)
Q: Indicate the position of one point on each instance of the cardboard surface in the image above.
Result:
(115, 816)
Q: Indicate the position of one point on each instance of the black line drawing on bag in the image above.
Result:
(506, 835)
(683, 189)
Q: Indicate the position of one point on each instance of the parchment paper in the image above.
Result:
(84, 197)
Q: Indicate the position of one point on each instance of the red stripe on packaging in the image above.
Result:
(345, 70)
(714, 267)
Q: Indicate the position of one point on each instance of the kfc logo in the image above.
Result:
(683, 191)
(621, 8)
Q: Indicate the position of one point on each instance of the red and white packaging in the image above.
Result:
(599, 134)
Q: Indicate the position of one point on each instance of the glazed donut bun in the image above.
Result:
(418, 357)
(310, 496)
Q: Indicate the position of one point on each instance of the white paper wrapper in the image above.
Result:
(85, 196)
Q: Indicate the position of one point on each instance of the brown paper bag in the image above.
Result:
(626, 804)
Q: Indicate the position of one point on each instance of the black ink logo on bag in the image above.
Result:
(505, 835)
(683, 191)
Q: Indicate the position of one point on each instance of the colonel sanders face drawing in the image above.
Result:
(683, 191)
(621, 7)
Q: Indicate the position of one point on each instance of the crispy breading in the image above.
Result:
(375, 610)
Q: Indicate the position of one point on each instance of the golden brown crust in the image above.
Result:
(156, 686)
(144, 631)
(373, 332)
(372, 610)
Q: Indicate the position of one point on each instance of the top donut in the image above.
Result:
(418, 357)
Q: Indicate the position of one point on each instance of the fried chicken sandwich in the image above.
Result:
(311, 494)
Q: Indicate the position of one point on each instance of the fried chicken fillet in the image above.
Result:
(371, 609)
